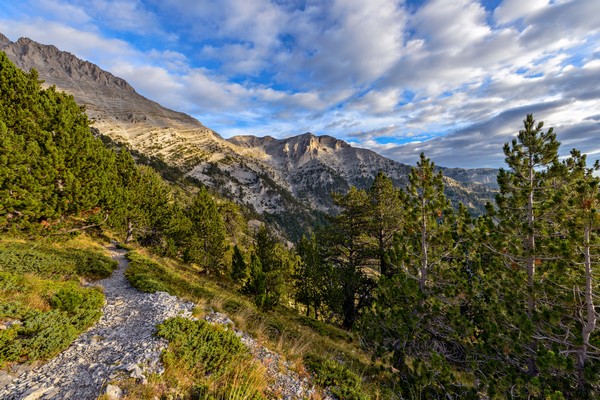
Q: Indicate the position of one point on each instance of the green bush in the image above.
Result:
(67, 299)
(74, 299)
(212, 355)
(343, 383)
(148, 276)
(12, 309)
(43, 334)
(10, 281)
(46, 334)
(200, 344)
(145, 275)
(50, 262)
(94, 265)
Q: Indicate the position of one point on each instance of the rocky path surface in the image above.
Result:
(122, 340)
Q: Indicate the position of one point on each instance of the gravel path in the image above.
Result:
(122, 340)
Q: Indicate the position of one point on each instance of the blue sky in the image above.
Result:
(452, 78)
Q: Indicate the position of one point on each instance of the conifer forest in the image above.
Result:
(445, 304)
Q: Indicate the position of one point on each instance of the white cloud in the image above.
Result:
(347, 67)
(510, 10)
(451, 26)
(124, 15)
(63, 11)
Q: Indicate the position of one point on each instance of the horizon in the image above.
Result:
(451, 79)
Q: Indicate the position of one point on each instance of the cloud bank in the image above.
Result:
(451, 78)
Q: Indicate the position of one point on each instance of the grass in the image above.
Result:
(342, 382)
(42, 301)
(202, 361)
(283, 330)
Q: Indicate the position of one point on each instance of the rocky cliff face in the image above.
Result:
(286, 179)
(314, 166)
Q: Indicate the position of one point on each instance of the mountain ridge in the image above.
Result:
(285, 179)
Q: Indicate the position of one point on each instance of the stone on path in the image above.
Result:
(113, 392)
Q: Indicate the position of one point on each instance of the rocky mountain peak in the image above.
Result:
(4, 40)
(60, 65)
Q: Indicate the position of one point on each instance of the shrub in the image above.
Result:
(50, 262)
(343, 383)
(42, 334)
(219, 362)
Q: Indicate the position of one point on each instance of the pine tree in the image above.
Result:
(54, 171)
(524, 223)
(239, 269)
(206, 243)
(347, 248)
(271, 271)
(582, 222)
(426, 235)
(311, 275)
(423, 314)
(385, 218)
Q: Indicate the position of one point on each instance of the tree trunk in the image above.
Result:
(349, 309)
(532, 367)
(129, 237)
(382, 264)
(590, 323)
(424, 261)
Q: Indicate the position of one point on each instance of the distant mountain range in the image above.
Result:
(287, 180)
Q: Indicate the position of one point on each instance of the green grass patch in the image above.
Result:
(149, 276)
(42, 303)
(218, 362)
(53, 262)
(39, 334)
(326, 330)
(342, 382)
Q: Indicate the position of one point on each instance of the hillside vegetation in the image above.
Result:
(398, 295)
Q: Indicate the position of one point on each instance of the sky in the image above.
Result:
(451, 78)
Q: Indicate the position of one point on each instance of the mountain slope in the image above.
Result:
(286, 180)
(314, 166)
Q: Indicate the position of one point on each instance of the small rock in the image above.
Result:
(114, 392)
(35, 393)
(136, 373)
(5, 379)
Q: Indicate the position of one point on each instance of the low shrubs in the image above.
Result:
(39, 335)
(341, 382)
(149, 276)
(55, 263)
(43, 307)
(217, 361)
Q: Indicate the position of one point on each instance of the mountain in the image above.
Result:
(288, 181)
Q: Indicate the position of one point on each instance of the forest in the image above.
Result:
(448, 304)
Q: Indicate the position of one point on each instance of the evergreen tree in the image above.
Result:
(424, 313)
(239, 269)
(53, 170)
(206, 243)
(582, 222)
(270, 270)
(524, 222)
(311, 275)
(347, 248)
(386, 218)
(426, 237)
